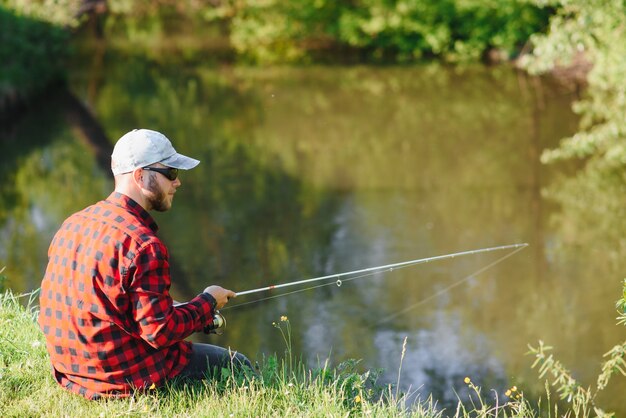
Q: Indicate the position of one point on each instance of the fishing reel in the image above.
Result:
(218, 325)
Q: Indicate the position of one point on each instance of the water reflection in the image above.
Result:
(441, 357)
(307, 172)
(48, 172)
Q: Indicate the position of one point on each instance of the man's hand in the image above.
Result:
(220, 294)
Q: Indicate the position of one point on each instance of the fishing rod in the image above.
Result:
(449, 287)
(219, 321)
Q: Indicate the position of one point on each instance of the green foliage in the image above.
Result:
(58, 12)
(451, 29)
(589, 30)
(272, 31)
(32, 53)
(401, 30)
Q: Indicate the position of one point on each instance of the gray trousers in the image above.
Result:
(205, 358)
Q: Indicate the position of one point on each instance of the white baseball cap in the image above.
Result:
(142, 147)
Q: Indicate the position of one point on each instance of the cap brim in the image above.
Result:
(180, 161)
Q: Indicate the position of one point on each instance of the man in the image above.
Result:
(110, 324)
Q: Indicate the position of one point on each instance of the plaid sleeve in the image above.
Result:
(160, 323)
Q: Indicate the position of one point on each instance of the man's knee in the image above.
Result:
(209, 357)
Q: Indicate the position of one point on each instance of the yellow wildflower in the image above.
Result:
(508, 393)
(467, 380)
(152, 387)
(283, 318)
(357, 399)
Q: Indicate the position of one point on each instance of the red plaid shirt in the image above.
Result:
(105, 307)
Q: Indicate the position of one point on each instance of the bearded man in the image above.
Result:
(110, 324)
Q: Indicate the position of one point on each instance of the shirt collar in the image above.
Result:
(134, 208)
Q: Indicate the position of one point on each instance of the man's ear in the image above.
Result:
(138, 174)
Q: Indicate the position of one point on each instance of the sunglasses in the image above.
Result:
(169, 172)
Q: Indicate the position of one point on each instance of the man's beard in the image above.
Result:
(158, 201)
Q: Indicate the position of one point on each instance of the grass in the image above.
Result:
(285, 387)
(282, 389)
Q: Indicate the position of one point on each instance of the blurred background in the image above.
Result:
(340, 135)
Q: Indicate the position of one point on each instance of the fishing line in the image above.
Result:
(379, 270)
(337, 283)
(448, 288)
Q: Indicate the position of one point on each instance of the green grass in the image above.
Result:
(284, 387)
(28, 389)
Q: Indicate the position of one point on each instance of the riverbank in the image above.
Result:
(286, 387)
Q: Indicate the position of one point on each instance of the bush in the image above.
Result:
(32, 53)
(398, 30)
(593, 31)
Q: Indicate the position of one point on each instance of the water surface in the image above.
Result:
(311, 171)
